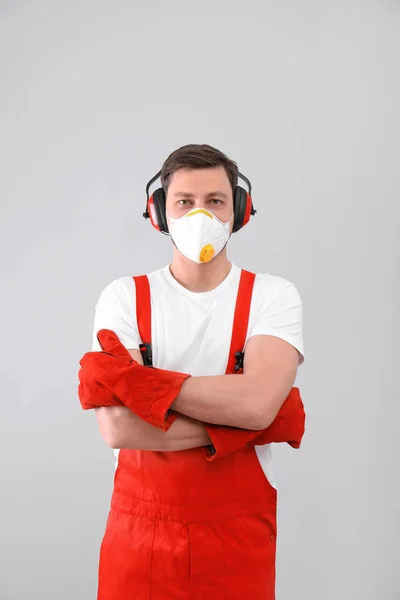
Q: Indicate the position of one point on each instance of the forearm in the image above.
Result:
(121, 428)
(222, 399)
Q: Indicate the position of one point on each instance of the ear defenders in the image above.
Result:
(155, 206)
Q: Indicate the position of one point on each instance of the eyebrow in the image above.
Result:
(211, 194)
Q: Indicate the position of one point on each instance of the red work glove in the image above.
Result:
(288, 426)
(113, 378)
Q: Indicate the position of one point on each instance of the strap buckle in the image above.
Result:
(239, 356)
(147, 354)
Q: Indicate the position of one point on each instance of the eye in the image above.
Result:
(183, 202)
(216, 201)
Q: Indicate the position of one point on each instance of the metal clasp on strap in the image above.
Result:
(239, 356)
(147, 354)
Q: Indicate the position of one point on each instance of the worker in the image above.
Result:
(191, 375)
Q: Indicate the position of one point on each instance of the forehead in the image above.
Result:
(200, 180)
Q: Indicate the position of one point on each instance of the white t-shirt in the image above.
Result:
(191, 331)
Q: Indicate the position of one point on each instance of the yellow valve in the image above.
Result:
(207, 253)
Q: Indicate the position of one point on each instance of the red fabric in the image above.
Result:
(174, 516)
(288, 426)
(148, 392)
(241, 317)
(181, 527)
(143, 308)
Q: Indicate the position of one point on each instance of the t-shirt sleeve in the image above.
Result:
(282, 317)
(116, 310)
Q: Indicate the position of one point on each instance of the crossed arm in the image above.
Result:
(250, 401)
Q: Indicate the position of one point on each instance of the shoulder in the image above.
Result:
(269, 289)
(277, 310)
(118, 290)
(271, 283)
(116, 310)
(123, 289)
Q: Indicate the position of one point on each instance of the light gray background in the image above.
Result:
(305, 96)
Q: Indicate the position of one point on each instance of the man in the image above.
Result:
(190, 415)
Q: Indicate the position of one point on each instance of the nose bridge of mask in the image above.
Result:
(197, 211)
(209, 214)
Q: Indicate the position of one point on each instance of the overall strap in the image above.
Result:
(143, 316)
(240, 322)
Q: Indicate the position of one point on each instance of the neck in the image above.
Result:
(200, 278)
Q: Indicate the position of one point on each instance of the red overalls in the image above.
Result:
(182, 527)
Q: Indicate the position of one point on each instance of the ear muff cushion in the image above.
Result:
(240, 205)
(159, 207)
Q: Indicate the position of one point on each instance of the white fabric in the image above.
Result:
(191, 332)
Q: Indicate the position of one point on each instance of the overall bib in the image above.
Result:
(181, 527)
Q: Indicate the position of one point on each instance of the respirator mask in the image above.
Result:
(199, 234)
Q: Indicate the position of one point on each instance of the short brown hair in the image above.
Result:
(198, 156)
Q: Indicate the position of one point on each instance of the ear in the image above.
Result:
(109, 342)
